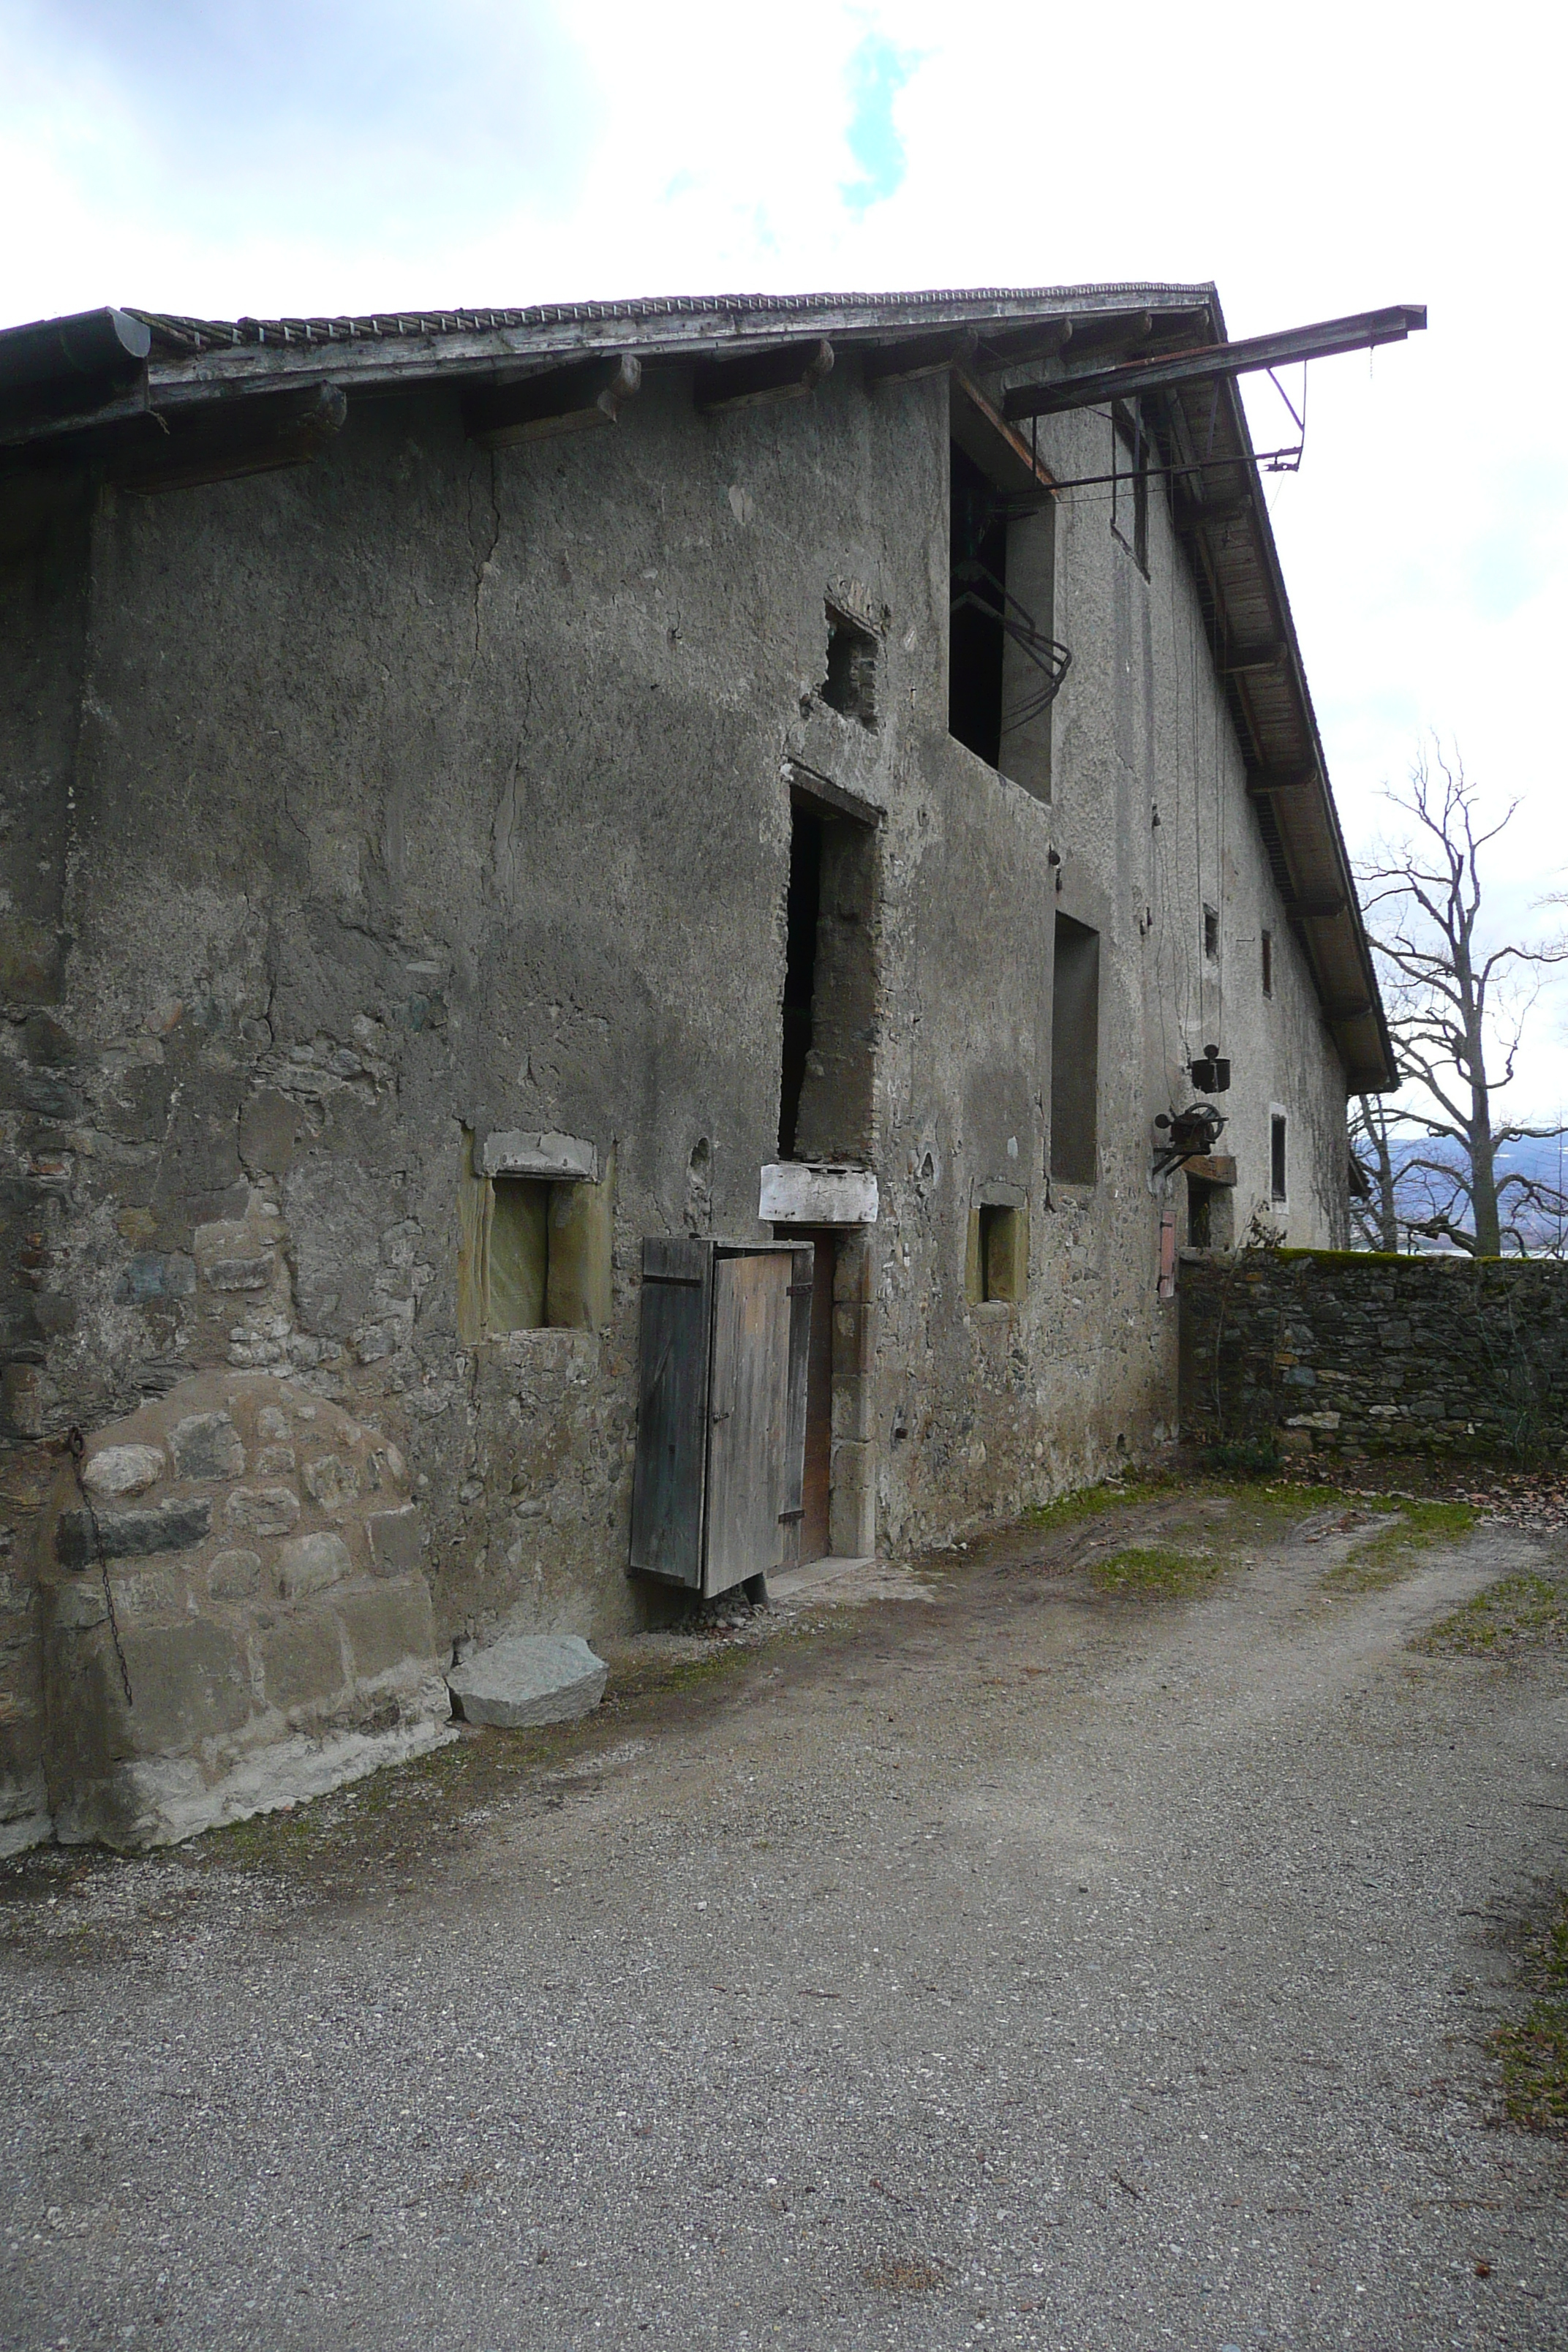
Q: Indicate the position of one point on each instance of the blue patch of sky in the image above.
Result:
(877, 70)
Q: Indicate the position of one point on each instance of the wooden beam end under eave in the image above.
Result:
(542, 407)
(789, 373)
(1262, 784)
(259, 436)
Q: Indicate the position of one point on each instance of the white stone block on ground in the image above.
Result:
(528, 1678)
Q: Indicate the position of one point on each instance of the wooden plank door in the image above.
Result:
(669, 1476)
(749, 1417)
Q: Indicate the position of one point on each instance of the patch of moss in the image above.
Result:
(1533, 2050)
(1394, 1551)
(1088, 1502)
(1163, 1571)
(1516, 1612)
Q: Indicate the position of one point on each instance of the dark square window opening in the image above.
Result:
(1277, 1164)
(1075, 1053)
(851, 686)
(1267, 963)
(1210, 933)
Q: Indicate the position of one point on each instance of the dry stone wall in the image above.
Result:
(1354, 1353)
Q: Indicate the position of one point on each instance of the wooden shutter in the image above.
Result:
(667, 1483)
(749, 1422)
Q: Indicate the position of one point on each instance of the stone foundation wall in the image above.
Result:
(1352, 1353)
(263, 1563)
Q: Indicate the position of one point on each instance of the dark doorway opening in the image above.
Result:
(805, 906)
(827, 1061)
(976, 639)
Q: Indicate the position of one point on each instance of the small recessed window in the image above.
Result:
(1276, 1162)
(851, 682)
(1267, 963)
(518, 1258)
(1001, 1272)
(1210, 933)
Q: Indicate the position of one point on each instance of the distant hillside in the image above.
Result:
(1543, 1159)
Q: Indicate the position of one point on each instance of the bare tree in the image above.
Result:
(1374, 1204)
(1456, 1013)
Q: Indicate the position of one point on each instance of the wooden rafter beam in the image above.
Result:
(256, 435)
(920, 356)
(789, 373)
(1211, 362)
(562, 400)
(984, 433)
(1262, 784)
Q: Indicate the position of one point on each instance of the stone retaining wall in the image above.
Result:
(1346, 1352)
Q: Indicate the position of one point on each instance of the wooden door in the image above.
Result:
(748, 1417)
(816, 1484)
(668, 1480)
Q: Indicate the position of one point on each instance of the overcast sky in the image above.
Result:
(229, 156)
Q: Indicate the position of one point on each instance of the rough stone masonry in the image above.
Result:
(1341, 1352)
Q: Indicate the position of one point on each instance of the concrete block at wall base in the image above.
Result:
(529, 1679)
(158, 1801)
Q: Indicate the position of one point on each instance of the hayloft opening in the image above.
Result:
(1075, 1054)
(976, 640)
(1267, 963)
(1210, 933)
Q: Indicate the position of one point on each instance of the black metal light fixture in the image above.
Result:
(1210, 1071)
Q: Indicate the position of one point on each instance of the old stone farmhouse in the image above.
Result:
(508, 817)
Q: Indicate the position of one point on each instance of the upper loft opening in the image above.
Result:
(976, 638)
(1005, 666)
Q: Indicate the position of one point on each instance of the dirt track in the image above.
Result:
(1017, 1963)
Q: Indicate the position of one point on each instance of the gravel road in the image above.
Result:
(998, 1961)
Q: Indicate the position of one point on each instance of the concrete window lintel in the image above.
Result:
(793, 1192)
(561, 1159)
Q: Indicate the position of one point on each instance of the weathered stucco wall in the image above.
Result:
(1360, 1353)
(430, 792)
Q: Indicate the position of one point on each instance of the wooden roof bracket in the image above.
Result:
(561, 400)
(790, 374)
